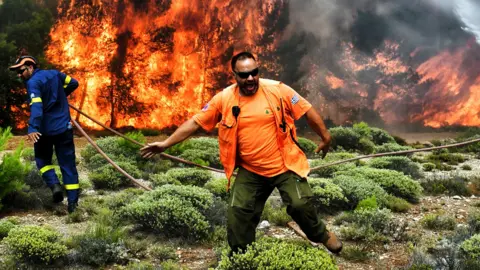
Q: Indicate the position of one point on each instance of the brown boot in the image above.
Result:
(333, 244)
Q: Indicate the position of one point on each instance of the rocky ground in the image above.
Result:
(389, 256)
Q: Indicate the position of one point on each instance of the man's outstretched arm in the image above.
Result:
(182, 133)
(315, 121)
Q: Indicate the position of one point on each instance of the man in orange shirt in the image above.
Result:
(257, 134)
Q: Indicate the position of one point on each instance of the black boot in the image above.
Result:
(72, 206)
(57, 193)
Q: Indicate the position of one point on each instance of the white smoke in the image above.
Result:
(468, 11)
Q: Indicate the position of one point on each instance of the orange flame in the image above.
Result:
(155, 64)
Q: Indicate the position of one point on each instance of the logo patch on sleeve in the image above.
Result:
(32, 95)
(205, 107)
(295, 99)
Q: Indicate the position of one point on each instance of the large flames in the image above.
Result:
(153, 64)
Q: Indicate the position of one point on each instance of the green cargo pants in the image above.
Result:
(247, 199)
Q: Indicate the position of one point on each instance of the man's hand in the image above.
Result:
(152, 149)
(34, 136)
(324, 148)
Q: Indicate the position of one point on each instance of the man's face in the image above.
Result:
(25, 72)
(246, 75)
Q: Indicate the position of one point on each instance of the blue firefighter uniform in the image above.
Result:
(50, 115)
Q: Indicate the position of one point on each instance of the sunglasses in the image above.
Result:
(245, 75)
(20, 70)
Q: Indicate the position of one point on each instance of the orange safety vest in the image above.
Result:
(293, 157)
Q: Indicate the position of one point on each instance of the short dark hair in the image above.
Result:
(241, 56)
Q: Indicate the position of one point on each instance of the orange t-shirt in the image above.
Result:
(256, 134)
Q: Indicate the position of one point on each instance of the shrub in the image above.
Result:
(275, 215)
(396, 204)
(140, 266)
(365, 146)
(355, 253)
(380, 136)
(327, 195)
(188, 176)
(330, 170)
(450, 185)
(400, 141)
(155, 165)
(35, 244)
(365, 224)
(308, 146)
(449, 158)
(118, 149)
(363, 130)
(101, 245)
(12, 169)
(393, 182)
(345, 138)
(367, 204)
(107, 177)
(202, 150)
(391, 147)
(122, 198)
(438, 222)
(474, 221)
(163, 253)
(428, 167)
(466, 167)
(161, 179)
(5, 226)
(269, 253)
(396, 163)
(130, 147)
(218, 187)
(174, 211)
(471, 247)
(357, 189)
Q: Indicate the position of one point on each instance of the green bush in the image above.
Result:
(395, 183)
(269, 253)
(174, 211)
(161, 179)
(380, 136)
(140, 266)
(202, 150)
(363, 130)
(469, 148)
(358, 188)
(101, 245)
(6, 225)
(438, 222)
(391, 147)
(308, 146)
(471, 247)
(122, 198)
(449, 158)
(130, 147)
(107, 177)
(450, 185)
(118, 149)
(275, 215)
(428, 167)
(343, 137)
(397, 205)
(35, 244)
(365, 146)
(355, 253)
(396, 163)
(155, 165)
(12, 169)
(466, 167)
(189, 176)
(400, 141)
(365, 224)
(218, 187)
(367, 204)
(474, 221)
(330, 170)
(163, 253)
(327, 195)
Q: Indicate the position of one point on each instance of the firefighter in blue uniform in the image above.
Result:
(49, 126)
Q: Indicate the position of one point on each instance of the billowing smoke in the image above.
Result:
(360, 58)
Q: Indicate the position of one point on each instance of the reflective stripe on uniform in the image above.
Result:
(67, 81)
(36, 100)
(47, 168)
(72, 186)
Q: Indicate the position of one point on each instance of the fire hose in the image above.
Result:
(290, 224)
